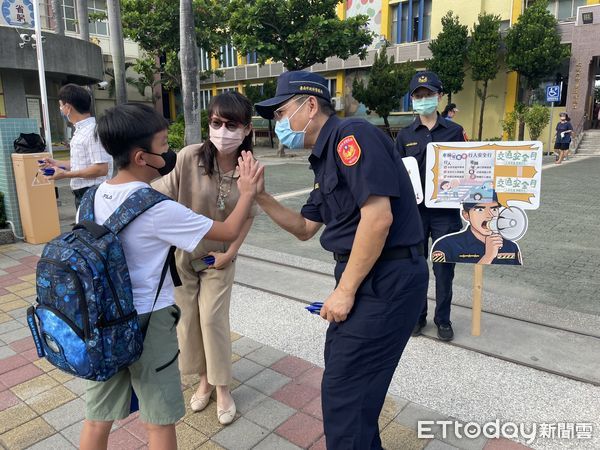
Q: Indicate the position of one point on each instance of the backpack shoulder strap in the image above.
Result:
(136, 204)
(86, 208)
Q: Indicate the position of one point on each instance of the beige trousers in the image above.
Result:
(203, 331)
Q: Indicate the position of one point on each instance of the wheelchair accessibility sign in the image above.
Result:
(553, 93)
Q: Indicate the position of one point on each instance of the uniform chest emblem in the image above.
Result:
(506, 256)
(349, 150)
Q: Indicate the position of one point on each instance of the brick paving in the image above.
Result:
(277, 395)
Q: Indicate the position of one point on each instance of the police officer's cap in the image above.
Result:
(426, 79)
(479, 196)
(292, 83)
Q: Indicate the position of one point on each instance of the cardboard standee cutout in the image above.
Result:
(482, 241)
(492, 183)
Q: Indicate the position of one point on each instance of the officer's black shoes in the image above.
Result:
(419, 327)
(445, 332)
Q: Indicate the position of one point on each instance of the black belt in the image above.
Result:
(387, 254)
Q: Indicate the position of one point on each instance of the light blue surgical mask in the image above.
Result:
(64, 116)
(425, 106)
(288, 137)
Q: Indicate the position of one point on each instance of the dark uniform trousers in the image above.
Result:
(438, 223)
(361, 353)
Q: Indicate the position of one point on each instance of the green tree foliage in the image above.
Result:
(534, 49)
(144, 80)
(388, 82)
(448, 51)
(536, 118)
(483, 55)
(154, 26)
(299, 33)
(257, 93)
(509, 125)
(176, 135)
(533, 45)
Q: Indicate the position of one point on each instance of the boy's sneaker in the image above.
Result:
(419, 327)
(445, 332)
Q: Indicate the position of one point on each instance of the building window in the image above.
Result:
(411, 21)
(228, 56)
(226, 89)
(70, 15)
(205, 96)
(394, 34)
(252, 58)
(565, 10)
(98, 7)
(332, 86)
(204, 60)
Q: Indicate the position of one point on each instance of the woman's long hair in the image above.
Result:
(231, 106)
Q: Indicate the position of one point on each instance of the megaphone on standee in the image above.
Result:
(511, 223)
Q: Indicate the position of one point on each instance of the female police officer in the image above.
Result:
(363, 195)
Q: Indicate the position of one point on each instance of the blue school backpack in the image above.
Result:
(88, 326)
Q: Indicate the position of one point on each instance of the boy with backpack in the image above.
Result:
(135, 135)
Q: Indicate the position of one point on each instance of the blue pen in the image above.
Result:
(314, 308)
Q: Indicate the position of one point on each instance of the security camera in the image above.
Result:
(25, 37)
(22, 44)
(102, 85)
(34, 37)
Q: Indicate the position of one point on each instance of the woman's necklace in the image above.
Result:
(223, 191)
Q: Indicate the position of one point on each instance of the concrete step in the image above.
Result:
(542, 347)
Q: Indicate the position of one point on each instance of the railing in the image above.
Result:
(578, 132)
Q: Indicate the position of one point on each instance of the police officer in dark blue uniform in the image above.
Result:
(479, 243)
(429, 126)
(363, 196)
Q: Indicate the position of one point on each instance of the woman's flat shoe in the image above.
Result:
(199, 402)
(226, 416)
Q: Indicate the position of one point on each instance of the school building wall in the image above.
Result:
(502, 91)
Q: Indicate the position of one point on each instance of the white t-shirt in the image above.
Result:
(146, 240)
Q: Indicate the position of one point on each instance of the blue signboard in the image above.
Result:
(553, 93)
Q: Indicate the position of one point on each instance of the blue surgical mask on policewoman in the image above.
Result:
(288, 137)
(425, 106)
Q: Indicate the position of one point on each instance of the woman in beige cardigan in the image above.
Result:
(204, 180)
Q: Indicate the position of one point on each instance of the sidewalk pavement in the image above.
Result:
(277, 395)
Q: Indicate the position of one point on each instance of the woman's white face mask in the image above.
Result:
(227, 141)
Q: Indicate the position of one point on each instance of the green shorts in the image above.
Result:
(154, 377)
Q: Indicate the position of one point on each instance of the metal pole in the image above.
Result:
(550, 130)
(41, 74)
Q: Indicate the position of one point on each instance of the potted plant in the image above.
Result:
(6, 234)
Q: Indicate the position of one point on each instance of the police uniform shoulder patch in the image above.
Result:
(438, 256)
(349, 150)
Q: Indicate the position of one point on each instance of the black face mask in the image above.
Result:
(170, 158)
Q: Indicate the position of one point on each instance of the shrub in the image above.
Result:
(509, 125)
(176, 135)
(2, 212)
(536, 119)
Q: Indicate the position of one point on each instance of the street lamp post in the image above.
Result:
(41, 73)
